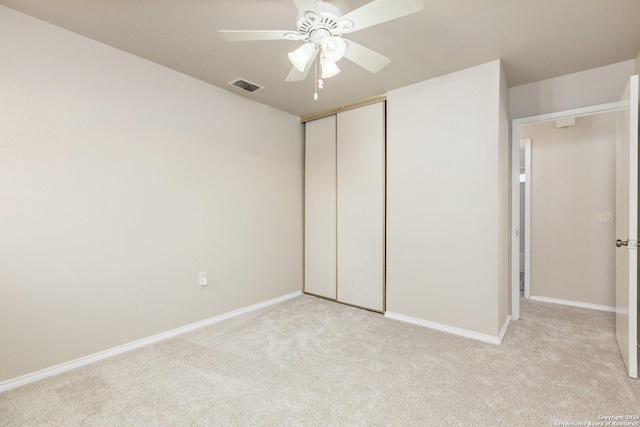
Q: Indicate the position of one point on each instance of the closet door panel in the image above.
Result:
(320, 207)
(361, 206)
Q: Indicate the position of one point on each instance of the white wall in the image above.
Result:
(573, 179)
(586, 88)
(447, 200)
(120, 180)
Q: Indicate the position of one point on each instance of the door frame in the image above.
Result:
(527, 216)
(515, 187)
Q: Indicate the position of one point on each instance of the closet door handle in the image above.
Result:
(620, 243)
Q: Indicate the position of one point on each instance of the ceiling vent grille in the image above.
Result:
(246, 85)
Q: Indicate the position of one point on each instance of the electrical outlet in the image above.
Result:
(605, 217)
(203, 281)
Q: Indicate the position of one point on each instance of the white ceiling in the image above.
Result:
(537, 39)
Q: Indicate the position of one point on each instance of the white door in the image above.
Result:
(320, 208)
(361, 206)
(627, 228)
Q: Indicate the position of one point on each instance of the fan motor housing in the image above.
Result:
(311, 22)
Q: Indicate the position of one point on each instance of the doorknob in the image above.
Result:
(620, 243)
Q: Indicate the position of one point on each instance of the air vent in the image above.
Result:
(246, 85)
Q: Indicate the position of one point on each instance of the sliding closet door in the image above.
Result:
(320, 207)
(361, 206)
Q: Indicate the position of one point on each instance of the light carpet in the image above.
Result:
(308, 361)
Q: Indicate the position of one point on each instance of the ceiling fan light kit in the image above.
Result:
(321, 26)
(334, 48)
(303, 55)
(329, 68)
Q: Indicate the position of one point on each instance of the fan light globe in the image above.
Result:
(302, 56)
(334, 48)
(329, 68)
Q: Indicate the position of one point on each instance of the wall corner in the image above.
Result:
(504, 200)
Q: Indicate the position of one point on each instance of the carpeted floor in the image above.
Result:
(311, 362)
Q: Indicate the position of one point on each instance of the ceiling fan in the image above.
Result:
(321, 26)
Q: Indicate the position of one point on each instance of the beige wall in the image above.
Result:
(591, 87)
(447, 200)
(638, 63)
(120, 180)
(573, 179)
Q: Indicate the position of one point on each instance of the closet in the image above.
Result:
(345, 207)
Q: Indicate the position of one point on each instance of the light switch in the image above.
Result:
(605, 217)
(203, 279)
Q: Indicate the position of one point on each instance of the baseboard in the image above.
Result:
(450, 329)
(58, 369)
(503, 331)
(573, 303)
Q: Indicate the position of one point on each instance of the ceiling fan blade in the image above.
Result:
(377, 12)
(248, 35)
(307, 6)
(365, 57)
(296, 75)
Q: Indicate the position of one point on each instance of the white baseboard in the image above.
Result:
(54, 370)
(503, 331)
(451, 329)
(573, 303)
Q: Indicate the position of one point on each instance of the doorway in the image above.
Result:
(517, 126)
(626, 293)
(567, 221)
